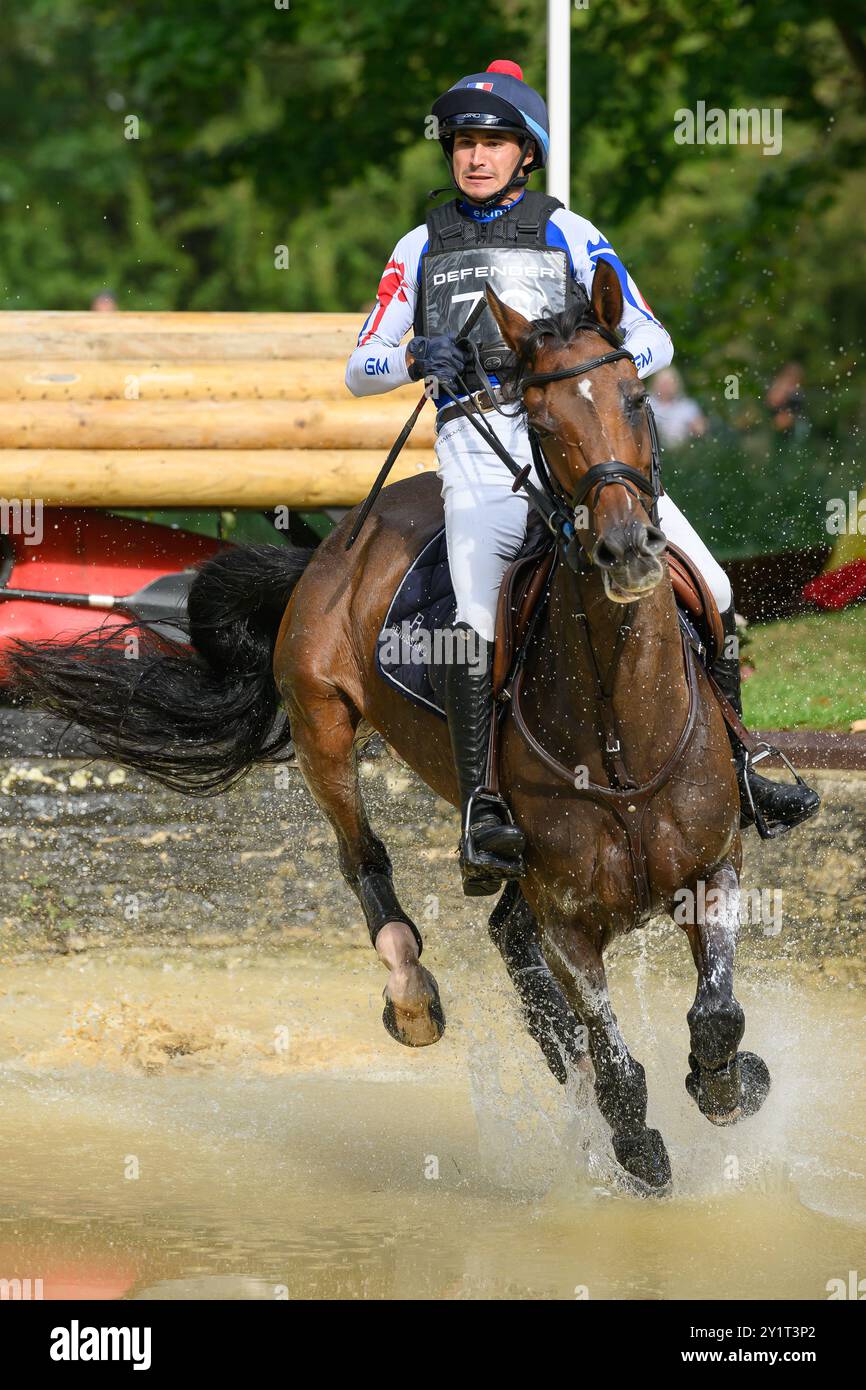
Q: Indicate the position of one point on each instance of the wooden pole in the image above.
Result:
(67, 379)
(371, 423)
(306, 478)
(155, 336)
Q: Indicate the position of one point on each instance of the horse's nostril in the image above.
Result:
(655, 540)
(606, 555)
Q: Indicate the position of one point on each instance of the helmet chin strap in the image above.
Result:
(516, 180)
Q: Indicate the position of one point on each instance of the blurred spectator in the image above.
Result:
(678, 417)
(103, 303)
(787, 404)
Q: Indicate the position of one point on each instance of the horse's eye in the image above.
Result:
(541, 420)
(541, 430)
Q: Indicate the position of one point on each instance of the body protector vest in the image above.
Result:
(509, 252)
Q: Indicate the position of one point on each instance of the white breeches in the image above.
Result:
(485, 522)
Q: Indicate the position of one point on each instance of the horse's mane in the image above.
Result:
(560, 329)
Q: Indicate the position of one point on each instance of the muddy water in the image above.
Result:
(197, 1097)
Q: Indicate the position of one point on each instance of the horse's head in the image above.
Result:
(587, 406)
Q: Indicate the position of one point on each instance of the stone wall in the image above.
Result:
(91, 854)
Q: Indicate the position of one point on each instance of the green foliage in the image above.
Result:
(262, 126)
(756, 495)
(258, 127)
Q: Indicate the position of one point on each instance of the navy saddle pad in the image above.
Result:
(406, 649)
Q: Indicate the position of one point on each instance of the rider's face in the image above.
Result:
(483, 161)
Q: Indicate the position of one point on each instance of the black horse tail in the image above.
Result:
(195, 719)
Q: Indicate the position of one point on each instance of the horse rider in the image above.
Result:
(493, 130)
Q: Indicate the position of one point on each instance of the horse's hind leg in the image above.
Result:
(726, 1084)
(549, 1018)
(620, 1081)
(324, 724)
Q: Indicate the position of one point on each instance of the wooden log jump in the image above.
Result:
(193, 409)
(62, 379)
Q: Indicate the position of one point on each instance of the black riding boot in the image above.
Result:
(490, 845)
(780, 804)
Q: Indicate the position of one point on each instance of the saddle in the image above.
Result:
(424, 603)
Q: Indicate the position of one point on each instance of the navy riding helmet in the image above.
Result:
(497, 99)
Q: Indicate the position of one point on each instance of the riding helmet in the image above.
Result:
(498, 99)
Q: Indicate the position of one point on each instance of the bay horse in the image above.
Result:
(656, 811)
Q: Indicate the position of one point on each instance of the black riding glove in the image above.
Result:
(439, 357)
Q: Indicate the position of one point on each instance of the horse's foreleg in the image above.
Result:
(323, 725)
(726, 1084)
(620, 1081)
(548, 1016)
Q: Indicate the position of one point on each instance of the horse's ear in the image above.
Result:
(513, 326)
(606, 295)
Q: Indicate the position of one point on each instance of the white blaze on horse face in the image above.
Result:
(584, 387)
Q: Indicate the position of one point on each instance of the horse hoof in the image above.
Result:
(755, 1082)
(418, 1027)
(645, 1159)
(745, 1080)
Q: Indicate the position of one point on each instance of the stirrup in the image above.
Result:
(484, 796)
(481, 797)
(771, 830)
(484, 871)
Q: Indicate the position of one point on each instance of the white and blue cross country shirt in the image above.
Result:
(378, 362)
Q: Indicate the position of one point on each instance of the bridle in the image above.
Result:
(555, 507)
(558, 507)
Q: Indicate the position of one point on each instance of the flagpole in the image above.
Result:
(559, 99)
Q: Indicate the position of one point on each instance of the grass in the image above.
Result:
(810, 671)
